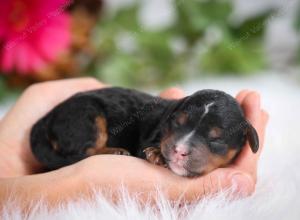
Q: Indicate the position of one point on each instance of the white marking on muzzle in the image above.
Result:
(182, 144)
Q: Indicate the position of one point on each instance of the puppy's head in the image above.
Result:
(204, 131)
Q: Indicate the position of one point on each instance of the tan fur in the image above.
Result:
(54, 146)
(182, 118)
(215, 132)
(101, 142)
(102, 132)
(216, 161)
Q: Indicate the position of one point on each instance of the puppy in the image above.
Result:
(191, 136)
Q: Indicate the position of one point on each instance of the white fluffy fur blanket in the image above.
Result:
(277, 194)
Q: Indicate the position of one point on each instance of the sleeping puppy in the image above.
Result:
(191, 136)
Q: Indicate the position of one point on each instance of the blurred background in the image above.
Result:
(144, 44)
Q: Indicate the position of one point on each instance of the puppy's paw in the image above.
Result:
(154, 156)
(107, 150)
(120, 151)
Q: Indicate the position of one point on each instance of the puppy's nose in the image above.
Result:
(181, 152)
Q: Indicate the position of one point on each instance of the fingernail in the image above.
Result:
(242, 184)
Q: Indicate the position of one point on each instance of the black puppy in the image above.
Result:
(192, 136)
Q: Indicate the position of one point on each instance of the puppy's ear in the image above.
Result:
(173, 106)
(252, 137)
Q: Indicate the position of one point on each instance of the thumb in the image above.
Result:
(238, 183)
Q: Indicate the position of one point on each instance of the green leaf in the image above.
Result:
(297, 21)
(253, 27)
(242, 59)
(154, 63)
(5, 91)
(194, 17)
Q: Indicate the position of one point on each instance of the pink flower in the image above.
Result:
(32, 33)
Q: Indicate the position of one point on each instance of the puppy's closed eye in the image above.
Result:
(218, 148)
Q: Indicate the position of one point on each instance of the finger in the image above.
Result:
(68, 87)
(241, 95)
(251, 106)
(84, 83)
(264, 116)
(48, 94)
(172, 93)
(220, 180)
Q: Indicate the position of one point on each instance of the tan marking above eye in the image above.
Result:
(54, 145)
(215, 132)
(182, 118)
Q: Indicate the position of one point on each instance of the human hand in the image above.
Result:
(133, 172)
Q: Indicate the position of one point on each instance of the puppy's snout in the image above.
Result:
(181, 152)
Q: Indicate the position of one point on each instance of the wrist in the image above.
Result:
(52, 188)
(14, 162)
(64, 185)
(10, 164)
